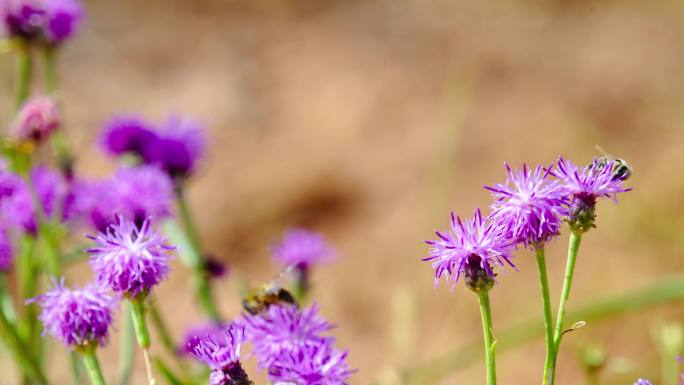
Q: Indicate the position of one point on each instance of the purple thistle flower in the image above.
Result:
(16, 204)
(595, 180)
(135, 193)
(177, 148)
(62, 18)
(221, 352)
(317, 363)
(194, 335)
(37, 119)
(474, 245)
(584, 185)
(529, 205)
(76, 317)
(21, 18)
(126, 134)
(303, 248)
(641, 381)
(284, 328)
(130, 259)
(6, 252)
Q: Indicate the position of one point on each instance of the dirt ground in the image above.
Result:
(371, 121)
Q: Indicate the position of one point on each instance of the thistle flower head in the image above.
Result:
(529, 205)
(37, 119)
(595, 180)
(16, 204)
(6, 252)
(135, 193)
(126, 134)
(585, 184)
(62, 18)
(303, 248)
(471, 248)
(317, 363)
(284, 328)
(21, 18)
(76, 317)
(221, 352)
(130, 259)
(178, 146)
(194, 336)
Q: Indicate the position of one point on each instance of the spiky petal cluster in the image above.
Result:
(477, 241)
(317, 363)
(302, 248)
(530, 205)
(195, 334)
(595, 180)
(37, 119)
(584, 185)
(130, 259)
(6, 251)
(284, 328)
(76, 317)
(221, 352)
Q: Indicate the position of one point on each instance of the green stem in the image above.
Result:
(127, 352)
(546, 302)
(573, 248)
(486, 312)
(50, 68)
(162, 330)
(202, 281)
(93, 367)
(24, 70)
(20, 351)
(76, 369)
(666, 290)
(142, 333)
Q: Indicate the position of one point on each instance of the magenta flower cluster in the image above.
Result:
(53, 21)
(77, 317)
(130, 259)
(175, 146)
(302, 248)
(221, 351)
(529, 210)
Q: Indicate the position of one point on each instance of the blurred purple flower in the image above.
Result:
(195, 334)
(136, 193)
(641, 381)
(529, 205)
(303, 248)
(126, 134)
(317, 363)
(284, 328)
(6, 252)
(62, 18)
(76, 317)
(476, 243)
(53, 20)
(130, 259)
(37, 119)
(179, 144)
(22, 18)
(16, 204)
(221, 352)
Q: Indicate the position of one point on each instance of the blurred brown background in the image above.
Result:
(371, 120)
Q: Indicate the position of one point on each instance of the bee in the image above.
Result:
(621, 169)
(270, 293)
